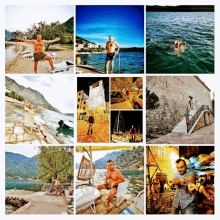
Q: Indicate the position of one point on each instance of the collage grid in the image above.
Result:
(139, 142)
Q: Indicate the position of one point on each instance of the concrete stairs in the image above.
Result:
(181, 127)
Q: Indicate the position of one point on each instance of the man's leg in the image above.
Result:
(47, 57)
(89, 128)
(35, 66)
(106, 66)
(112, 66)
(190, 209)
(99, 187)
(110, 197)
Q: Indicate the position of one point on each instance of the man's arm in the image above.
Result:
(191, 184)
(51, 41)
(117, 47)
(179, 180)
(24, 105)
(37, 110)
(28, 41)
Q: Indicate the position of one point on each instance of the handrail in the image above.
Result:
(196, 116)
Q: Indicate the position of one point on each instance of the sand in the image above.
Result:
(26, 66)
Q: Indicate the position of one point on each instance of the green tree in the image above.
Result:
(55, 161)
(152, 100)
(139, 83)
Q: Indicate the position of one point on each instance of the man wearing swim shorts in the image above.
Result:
(187, 118)
(110, 46)
(38, 47)
(112, 180)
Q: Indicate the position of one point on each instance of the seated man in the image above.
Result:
(112, 180)
(32, 111)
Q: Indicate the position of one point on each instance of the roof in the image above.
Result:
(79, 149)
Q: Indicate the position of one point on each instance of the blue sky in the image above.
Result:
(125, 23)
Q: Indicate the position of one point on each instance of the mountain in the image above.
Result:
(8, 35)
(101, 163)
(20, 165)
(131, 159)
(33, 96)
(69, 25)
(57, 110)
(82, 40)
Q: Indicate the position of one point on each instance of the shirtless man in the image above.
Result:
(38, 47)
(177, 47)
(32, 111)
(112, 180)
(110, 46)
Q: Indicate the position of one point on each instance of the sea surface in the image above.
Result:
(164, 28)
(11, 52)
(131, 62)
(51, 118)
(21, 184)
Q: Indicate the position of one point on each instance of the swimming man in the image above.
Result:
(178, 47)
(38, 47)
(112, 180)
(110, 46)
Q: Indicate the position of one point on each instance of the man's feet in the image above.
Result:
(108, 207)
(47, 139)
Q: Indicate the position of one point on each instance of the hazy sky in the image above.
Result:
(28, 151)
(124, 23)
(21, 17)
(56, 89)
(209, 81)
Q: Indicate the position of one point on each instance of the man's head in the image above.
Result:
(39, 37)
(30, 106)
(111, 38)
(181, 166)
(110, 165)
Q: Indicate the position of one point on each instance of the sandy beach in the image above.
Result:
(26, 66)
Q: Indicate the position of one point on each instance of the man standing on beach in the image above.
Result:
(110, 46)
(38, 47)
(112, 180)
(184, 200)
(31, 112)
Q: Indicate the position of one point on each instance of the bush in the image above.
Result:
(15, 95)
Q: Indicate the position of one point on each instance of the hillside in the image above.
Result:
(31, 95)
(133, 159)
(20, 165)
(69, 25)
(82, 40)
(101, 163)
(8, 35)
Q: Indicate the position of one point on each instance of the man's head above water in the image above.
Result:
(110, 165)
(181, 166)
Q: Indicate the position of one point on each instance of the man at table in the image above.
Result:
(184, 200)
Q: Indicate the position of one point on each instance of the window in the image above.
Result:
(84, 108)
(78, 100)
(84, 102)
(161, 151)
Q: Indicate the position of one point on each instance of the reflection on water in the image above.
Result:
(11, 52)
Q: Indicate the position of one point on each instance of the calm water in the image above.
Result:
(131, 62)
(20, 184)
(51, 118)
(11, 52)
(163, 28)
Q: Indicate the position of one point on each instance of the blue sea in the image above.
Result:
(164, 28)
(131, 62)
(21, 184)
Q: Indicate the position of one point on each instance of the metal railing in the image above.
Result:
(196, 116)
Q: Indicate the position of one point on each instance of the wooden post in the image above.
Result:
(92, 177)
(149, 193)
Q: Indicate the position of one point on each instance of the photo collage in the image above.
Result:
(109, 109)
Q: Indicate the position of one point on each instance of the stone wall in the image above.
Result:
(205, 119)
(174, 93)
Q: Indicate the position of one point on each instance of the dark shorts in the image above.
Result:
(108, 186)
(110, 56)
(39, 56)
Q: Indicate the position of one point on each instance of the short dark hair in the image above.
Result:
(110, 161)
(110, 36)
(179, 160)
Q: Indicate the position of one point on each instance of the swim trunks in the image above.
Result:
(187, 121)
(39, 56)
(108, 186)
(110, 56)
